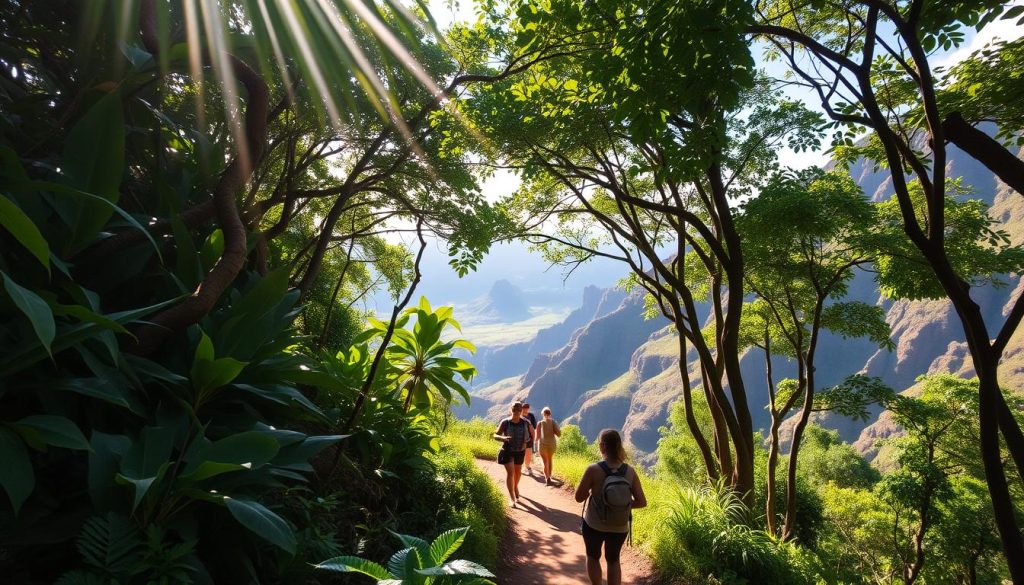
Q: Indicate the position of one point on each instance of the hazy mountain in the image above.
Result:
(617, 369)
(497, 362)
(504, 303)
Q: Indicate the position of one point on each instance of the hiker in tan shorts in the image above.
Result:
(547, 438)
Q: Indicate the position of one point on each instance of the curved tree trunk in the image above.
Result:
(219, 278)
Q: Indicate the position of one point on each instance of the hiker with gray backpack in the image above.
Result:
(611, 490)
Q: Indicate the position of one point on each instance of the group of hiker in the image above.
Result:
(609, 489)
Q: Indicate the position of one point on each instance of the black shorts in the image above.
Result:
(613, 541)
(505, 457)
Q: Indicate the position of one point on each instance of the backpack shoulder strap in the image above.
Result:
(604, 467)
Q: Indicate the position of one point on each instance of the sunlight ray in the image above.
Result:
(216, 33)
(275, 44)
(298, 34)
(195, 59)
(363, 65)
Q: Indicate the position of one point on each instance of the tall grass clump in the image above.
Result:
(706, 538)
(472, 437)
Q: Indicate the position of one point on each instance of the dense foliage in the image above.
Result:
(196, 202)
(185, 395)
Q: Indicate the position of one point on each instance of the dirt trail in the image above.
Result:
(543, 545)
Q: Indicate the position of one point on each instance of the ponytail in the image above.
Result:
(611, 440)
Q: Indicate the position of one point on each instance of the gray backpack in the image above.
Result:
(614, 503)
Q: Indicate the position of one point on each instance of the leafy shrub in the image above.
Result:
(705, 535)
(825, 458)
(456, 493)
(574, 442)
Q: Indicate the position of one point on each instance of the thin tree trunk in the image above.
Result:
(733, 265)
(691, 420)
(789, 527)
(773, 447)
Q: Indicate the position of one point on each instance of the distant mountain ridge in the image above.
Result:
(496, 363)
(619, 370)
(504, 303)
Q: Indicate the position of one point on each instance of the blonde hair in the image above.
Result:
(545, 410)
(611, 441)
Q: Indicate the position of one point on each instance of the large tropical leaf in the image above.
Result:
(447, 543)
(21, 226)
(93, 162)
(30, 354)
(349, 564)
(35, 308)
(457, 567)
(264, 523)
(252, 449)
(16, 474)
(44, 429)
(403, 560)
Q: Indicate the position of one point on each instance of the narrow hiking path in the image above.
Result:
(543, 545)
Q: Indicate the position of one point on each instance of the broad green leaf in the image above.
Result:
(51, 430)
(465, 345)
(107, 451)
(413, 541)
(349, 564)
(457, 567)
(93, 162)
(304, 451)
(186, 257)
(149, 451)
(210, 375)
(447, 543)
(58, 189)
(208, 469)
(85, 314)
(36, 309)
(280, 394)
(141, 487)
(252, 449)
(212, 250)
(204, 351)
(14, 220)
(261, 521)
(16, 474)
(398, 564)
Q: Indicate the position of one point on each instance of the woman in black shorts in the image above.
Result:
(516, 435)
(608, 528)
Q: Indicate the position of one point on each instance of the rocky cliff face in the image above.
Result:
(618, 370)
(497, 363)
